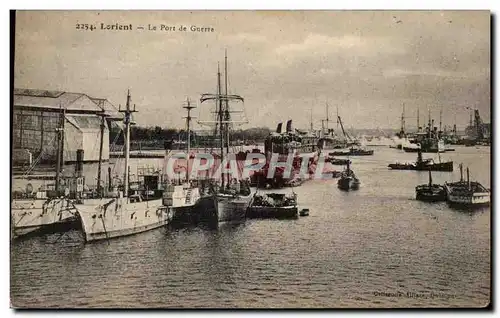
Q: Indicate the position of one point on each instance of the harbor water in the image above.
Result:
(374, 247)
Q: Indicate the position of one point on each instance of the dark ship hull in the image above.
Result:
(444, 166)
(433, 193)
(348, 183)
(352, 152)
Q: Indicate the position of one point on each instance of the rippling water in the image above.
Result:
(376, 247)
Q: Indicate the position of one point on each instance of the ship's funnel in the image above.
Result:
(278, 129)
(289, 126)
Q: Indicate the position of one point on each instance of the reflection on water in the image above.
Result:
(377, 246)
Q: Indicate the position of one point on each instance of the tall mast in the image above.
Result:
(60, 147)
(311, 119)
(99, 167)
(418, 119)
(468, 180)
(455, 126)
(220, 100)
(220, 120)
(440, 117)
(338, 117)
(227, 101)
(327, 117)
(403, 118)
(188, 124)
(429, 124)
(127, 118)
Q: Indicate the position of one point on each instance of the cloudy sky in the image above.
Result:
(366, 63)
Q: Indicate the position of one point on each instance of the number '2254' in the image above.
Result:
(90, 27)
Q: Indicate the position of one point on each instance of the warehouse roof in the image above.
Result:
(80, 102)
(110, 109)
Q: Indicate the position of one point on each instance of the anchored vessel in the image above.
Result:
(122, 211)
(466, 193)
(430, 192)
(337, 161)
(352, 152)
(290, 141)
(190, 200)
(231, 196)
(47, 210)
(273, 205)
(423, 164)
(348, 180)
(329, 140)
(427, 141)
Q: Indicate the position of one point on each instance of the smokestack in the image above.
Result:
(278, 129)
(289, 126)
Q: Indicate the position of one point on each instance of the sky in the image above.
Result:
(285, 64)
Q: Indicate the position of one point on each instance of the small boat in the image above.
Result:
(337, 161)
(352, 152)
(423, 164)
(348, 180)
(304, 212)
(430, 192)
(467, 193)
(273, 205)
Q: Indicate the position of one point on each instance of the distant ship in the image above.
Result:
(423, 164)
(290, 141)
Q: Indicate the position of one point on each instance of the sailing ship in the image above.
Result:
(231, 196)
(423, 164)
(118, 210)
(430, 192)
(466, 193)
(348, 180)
(49, 209)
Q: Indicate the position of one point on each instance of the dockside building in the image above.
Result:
(37, 116)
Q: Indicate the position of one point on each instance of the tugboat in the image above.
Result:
(466, 193)
(430, 192)
(348, 180)
(423, 164)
